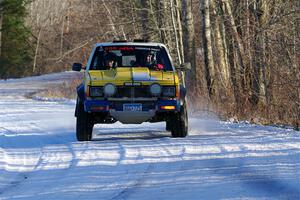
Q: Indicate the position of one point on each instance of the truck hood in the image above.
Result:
(120, 76)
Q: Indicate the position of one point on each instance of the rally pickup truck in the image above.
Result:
(131, 82)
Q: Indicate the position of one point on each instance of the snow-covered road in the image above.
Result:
(41, 159)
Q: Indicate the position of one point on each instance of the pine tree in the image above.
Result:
(15, 50)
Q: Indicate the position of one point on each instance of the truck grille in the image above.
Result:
(133, 92)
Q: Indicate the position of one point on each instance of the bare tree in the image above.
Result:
(110, 17)
(207, 46)
(188, 32)
(1, 19)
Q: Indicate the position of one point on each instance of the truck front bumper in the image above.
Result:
(157, 106)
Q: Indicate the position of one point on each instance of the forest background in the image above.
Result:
(244, 53)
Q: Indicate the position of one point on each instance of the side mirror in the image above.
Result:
(185, 66)
(77, 67)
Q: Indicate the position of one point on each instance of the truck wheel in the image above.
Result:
(168, 125)
(84, 124)
(180, 123)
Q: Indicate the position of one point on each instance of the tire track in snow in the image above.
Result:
(133, 187)
(14, 183)
(141, 181)
(138, 181)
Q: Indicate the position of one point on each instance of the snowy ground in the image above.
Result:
(41, 159)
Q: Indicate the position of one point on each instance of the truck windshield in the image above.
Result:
(154, 58)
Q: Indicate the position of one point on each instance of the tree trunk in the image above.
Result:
(110, 17)
(62, 36)
(160, 23)
(167, 25)
(145, 19)
(259, 72)
(236, 58)
(220, 41)
(134, 19)
(179, 25)
(36, 50)
(1, 19)
(189, 39)
(157, 37)
(179, 59)
(233, 26)
(233, 72)
(296, 70)
(207, 46)
(238, 45)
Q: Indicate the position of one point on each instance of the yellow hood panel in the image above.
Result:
(123, 75)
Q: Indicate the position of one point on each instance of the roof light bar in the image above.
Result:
(119, 41)
(140, 40)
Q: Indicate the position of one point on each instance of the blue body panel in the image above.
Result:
(89, 104)
(168, 103)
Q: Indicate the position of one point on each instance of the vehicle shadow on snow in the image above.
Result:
(125, 134)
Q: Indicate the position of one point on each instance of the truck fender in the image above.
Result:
(80, 97)
(80, 92)
(182, 94)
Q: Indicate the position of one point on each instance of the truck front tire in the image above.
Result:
(84, 124)
(179, 122)
(169, 125)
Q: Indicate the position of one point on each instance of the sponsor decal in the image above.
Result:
(119, 48)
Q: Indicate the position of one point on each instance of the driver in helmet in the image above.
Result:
(151, 63)
(110, 60)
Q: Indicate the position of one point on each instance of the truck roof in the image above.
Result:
(130, 43)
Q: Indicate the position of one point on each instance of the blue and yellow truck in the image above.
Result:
(131, 82)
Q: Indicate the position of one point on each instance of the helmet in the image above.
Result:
(152, 59)
(110, 56)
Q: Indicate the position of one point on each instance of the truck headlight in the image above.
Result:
(109, 89)
(168, 91)
(96, 91)
(155, 89)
